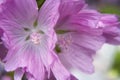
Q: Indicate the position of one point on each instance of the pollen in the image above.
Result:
(35, 38)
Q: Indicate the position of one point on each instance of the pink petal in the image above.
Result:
(18, 74)
(25, 57)
(88, 41)
(83, 21)
(19, 11)
(70, 7)
(108, 20)
(111, 29)
(86, 18)
(80, 50)
(14, 34)
(17, 15)
(67, 9)
(78, 58)
(59, 71)
(48, 14)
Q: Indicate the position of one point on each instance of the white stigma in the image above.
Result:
(35, 37)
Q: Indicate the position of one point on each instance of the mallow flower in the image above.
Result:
(81, 32)
(29, 37)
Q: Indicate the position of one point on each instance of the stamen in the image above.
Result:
(64, 42)
(35, 38)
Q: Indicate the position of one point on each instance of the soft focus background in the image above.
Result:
(107, 60)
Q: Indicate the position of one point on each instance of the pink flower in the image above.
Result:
(81, 32)
(29, 36)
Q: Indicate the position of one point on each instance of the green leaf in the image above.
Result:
(40, 3)
(57, 49)
(62, 31)
(110, 9)
(116, 63)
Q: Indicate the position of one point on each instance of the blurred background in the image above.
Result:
(107, 60)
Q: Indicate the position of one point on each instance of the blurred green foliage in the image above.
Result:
(110, 9)
(116, 63)
(40, 2)
(11, 74)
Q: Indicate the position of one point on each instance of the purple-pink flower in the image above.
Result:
(81, 32)
(46, 44)
(29, 36)
(76, 40)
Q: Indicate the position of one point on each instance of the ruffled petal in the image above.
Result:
(111, 28)
(13, 34)
(59, 71)
(86, 18)
(19, 11)
(27, 57)
(70, 7)
(84, 21)
(112, 35)
(78, 58)
(67, 9)
(16, 16)
(48, 14)
(108, 20)
(44, 51)
(89, 41)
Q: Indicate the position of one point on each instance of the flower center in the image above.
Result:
(63, 43)
(35, 37)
